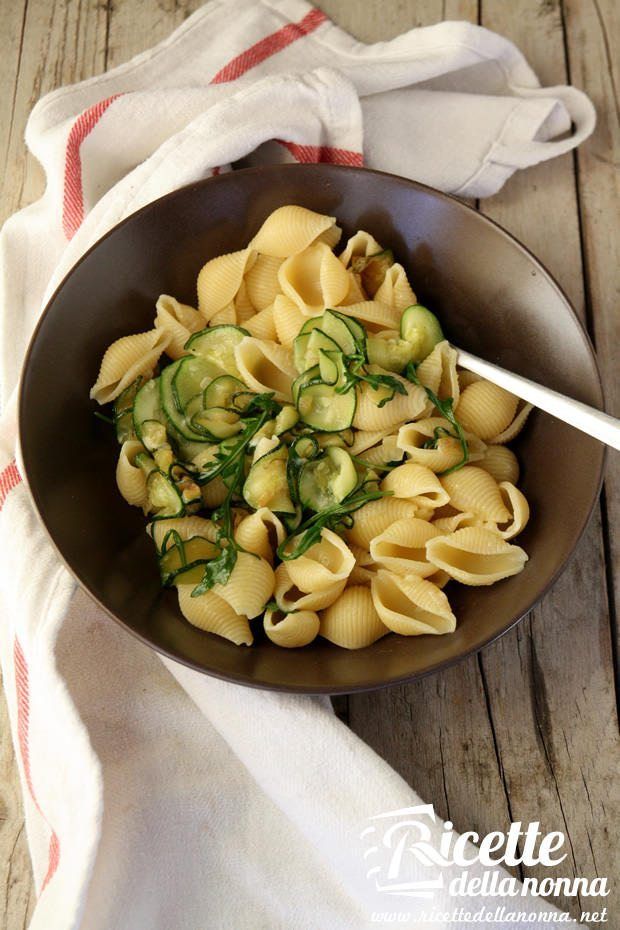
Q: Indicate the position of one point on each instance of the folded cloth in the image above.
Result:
(156, 797)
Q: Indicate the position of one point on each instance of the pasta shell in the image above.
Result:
(501, 463)
(410, 605)
(297, 628)
(466, 378)
(386, 451)
(438, 372)
(401, 548)
(213, 493)
(447, 453)
(261, 533)
(352, 621)
(250, 585)
(244, 308)
(395, 290)
(331, 236)
(476, 556)
(177, 320)
(261, 325)
(486, 409)
(125, 360)
(287, 318)
(324, 564)
(227, 316)
(473, 489)
(375, 517)
(288, 597)
(314, 279)
(289, 230)
(365, 439)
(362, 243)
(213, 615)
(266, 366)
(457, 521)
(517, 504)
(364, 568)
(416, 483)
(368, 414)
(130, 478)
(261, 281)
(511, 432)
(375, 316)
(186, 527)
(220, 279)
(355, 294)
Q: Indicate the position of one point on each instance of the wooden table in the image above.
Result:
(527, 729)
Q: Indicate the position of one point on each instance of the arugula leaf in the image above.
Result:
(445, 407)
(217, 571)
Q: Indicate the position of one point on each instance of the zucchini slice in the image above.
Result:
(181, 428)
(192, 376)
(182, 561)
(421, 329)
(307, 345)
(337, 328)
(217, 423)
(390, 354)
(164, 498)
(306, 377)
(227, 391)
(327, 480)
(372, 269)
(267, 484)
(123, 411)
(322, 408)
(216, 344)
(149, 421)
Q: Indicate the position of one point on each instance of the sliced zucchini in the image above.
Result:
(355, 327)
(332, 368)
(372, 269)
(123, 411)
(322, 408)
(192, 376)
(421, 329)
(337, 328)
(390, 354)
(313, 374)
(307, 345)
(181, 428)
(146, 462)
(187, 488)
(182, 561)
(267, 485)
(285, 420)
(327, 480)
(227, 391)
(217, 423)
(148, 418)
(216, 344)
(164, 498)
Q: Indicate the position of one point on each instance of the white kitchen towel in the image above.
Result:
(156, 797)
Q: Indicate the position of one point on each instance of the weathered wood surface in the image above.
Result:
(527, 730)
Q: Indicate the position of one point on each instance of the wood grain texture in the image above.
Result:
(527, 730)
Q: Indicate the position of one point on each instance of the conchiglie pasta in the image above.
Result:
(457, 521)
(446, 451)
(355, 294)
(220, 279)
(125, 360)
(186, 527)
(261, 533)
(288, 596)
(395, 290)
(512, 431)
(266, 366)
(375, 517)
(244, 308)
(375, 316)
(416, 483)
(401, 548)
(262, 325)
(227, 316)
(501, 463)
(363, 244)
(250, 585)
(473, 489)
(476, 556)
(352, 621)
(331, 237)
(287, 319)
(328, 562)
(289, 230)
(410, 605)
(369, 416)
(261, 281)
(291, 630)
(179, 321)
(364, 568)
(314, 279)
(438, 372)
(130, 478)
(486, 409)
(211, 613)
(517, 504)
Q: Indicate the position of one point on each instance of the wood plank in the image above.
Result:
(593, 45)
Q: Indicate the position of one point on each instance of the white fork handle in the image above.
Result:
(594, 422)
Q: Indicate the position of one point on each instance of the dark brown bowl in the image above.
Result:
(494, 298)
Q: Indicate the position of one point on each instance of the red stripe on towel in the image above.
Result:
(22, 691)
(73, 197)
(9, 479)
(269, 46)
(312, 154)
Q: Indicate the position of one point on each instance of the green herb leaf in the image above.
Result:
(217, 571)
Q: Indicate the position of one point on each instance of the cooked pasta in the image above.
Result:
(309, 458)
